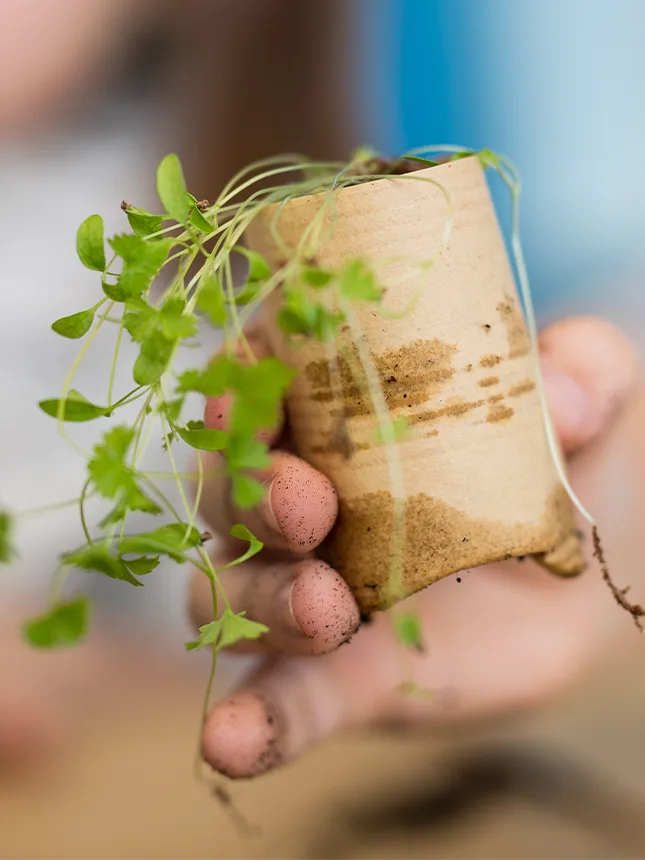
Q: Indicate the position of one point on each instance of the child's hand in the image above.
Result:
(507, 636)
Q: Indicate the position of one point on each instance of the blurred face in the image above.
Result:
(53, 51)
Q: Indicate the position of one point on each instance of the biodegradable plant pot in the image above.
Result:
(478, 480)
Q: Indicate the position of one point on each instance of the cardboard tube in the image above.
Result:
(476, 481)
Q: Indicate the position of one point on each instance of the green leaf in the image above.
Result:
(106, 467)
(77, 408)
(227, 630)
(141, 566)
(247, 452)
(175, 323)
(259, 390)
(210, 298)
(143, 223)
(196, 436)
(171, 188)
(132, 499)
(172, 409)
(199, 222)
(255, 546)
(407, 627)
(64, 624)
(247, 491)
(425, 161)
(316, 277)
(212, 382)
(153, 359)
(259, 269)
(247, 294)
(142, 260)
(7, 552)
(89, 243)
(99, 558)
(173, 540)
(301, 315)
(76, 325)
(358, 283)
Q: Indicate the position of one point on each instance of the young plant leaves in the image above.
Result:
(143, 223)
(76, 325)
(357, 283)
(198, 221)
(143, 565)
(89, 243)
(407, 626)
(259, 269)
(76, 408)
(210, 299)
(153, 359)
(142, 260)
(171, 188)
(247, 491)
(7, 552)
(98, 557)
(65, 624)
(196, 436)
(255, 546)
(228, 629)
(173, 540)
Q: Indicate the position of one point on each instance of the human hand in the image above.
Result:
(505, 637)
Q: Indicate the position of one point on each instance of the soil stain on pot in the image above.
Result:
(410, 376)
(518, 340)
(439, 540)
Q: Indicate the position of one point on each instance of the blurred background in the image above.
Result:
(96, 746)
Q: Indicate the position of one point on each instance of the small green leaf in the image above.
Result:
(99, 558)
(64, 624)
(77, 408)
(247, 452)
(212, 382)
(227, 630)
(76, 325)
(171, 188)
(141, 566)
(316, 277)
(235, 628)
(425, 161)
(247, 491)
(210, 298)
(175, 323)
(407, 627)
(255, 546)
(173, 540)
(143, 223)
(172, 409)
(142, 260)
(358, 283)
(89, 243)
(247, 294)
(7, 552)
(259, 269)
(153, 359)
(196, 436)
(106, 467)
(199, 222)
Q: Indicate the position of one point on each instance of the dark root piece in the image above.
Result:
(620, 594)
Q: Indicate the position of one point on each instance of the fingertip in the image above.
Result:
(241, 736)
(216, 413)
(589, 368)
(303, 502)
(323, 607)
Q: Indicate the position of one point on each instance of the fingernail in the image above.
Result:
(285, 608)
(568, 402)
(265, 508)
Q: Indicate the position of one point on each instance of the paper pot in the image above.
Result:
(478, 481)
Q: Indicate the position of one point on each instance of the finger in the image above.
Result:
(298, 510)
(305, 604)
(292, 703)
(589, 368)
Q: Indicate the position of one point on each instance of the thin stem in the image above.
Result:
(81, 507)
